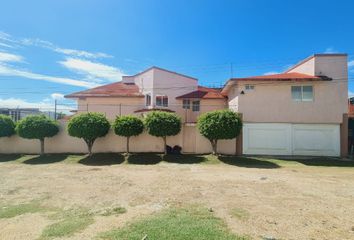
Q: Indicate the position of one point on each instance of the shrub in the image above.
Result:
(37, 127)
(89, 127)
(220, 124)
(128, 126)
(7, 126)
(163, 124)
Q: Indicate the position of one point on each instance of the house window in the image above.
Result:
(249, 87)
(148, 100)
(162, 101)
(195, 106)
(302, 93)
(186, 103)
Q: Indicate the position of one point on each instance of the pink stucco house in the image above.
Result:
(152, 89)
(302, 111)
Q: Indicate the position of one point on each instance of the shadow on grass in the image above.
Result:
(46, 159)
(319, 161)
(247, 162)
(102, 159)
(144, 158)
(185, 159)
(9, 157)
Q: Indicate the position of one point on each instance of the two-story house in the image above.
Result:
(302, 111)
(299, 112)
(152, 89)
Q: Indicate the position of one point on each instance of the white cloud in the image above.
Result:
(350, 93)
(92, 70)
(11, 71)
(8, 57)
(66, 51)
(57, 96)
(351, 63)
(271, 73)
(5, 45)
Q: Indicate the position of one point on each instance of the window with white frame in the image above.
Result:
(196, 106)
(302, 93)
(249, 87)
(162, 101)
(186, 103)
(148, 100)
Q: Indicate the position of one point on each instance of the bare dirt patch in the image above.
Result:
(291, 202)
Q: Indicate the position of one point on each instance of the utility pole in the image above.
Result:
(55, 109)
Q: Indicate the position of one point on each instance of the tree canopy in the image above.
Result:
(128, 126)
(163, 124)
(220, 124)
(37, 127)
(89, 127)
(7, 126)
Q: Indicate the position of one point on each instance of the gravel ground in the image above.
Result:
(291, 202)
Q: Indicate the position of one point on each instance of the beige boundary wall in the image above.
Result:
(63, 143)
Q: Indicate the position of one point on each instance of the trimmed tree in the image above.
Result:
(37, 127)
(128, 126)
(220, 124)
(163, 124)
(89, 127)
(7, 126)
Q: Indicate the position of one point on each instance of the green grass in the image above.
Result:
(66, 227)
(240, 213)
(9, 211)
(175, 224)
(108, 159)
(70, 222)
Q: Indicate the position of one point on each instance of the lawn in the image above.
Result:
(112, 196)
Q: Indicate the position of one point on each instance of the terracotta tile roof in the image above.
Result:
(281, 77)
(118, 89)
(153, 109)
(204, 93)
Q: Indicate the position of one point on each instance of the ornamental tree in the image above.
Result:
(37, 127)
(163, 124)
(220, 124)
(89, 127)
(7, 126)
(128, 126)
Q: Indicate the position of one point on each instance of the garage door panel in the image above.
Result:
(316, 140)
(267, 139)
(291, 139)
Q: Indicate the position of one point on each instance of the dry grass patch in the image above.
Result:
(240, 213)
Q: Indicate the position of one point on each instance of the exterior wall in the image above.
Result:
(172, 85)
(206, 105)
(272, 103)
(233, 98)
(307, 67)
(63, 143)
(111, 106)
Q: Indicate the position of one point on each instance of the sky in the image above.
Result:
(52, 48)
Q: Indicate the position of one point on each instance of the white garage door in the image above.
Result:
(291, 139)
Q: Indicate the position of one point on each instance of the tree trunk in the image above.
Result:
(42, 145)
(164, 145)
(128, 145)
(214, 145)
(89, 146)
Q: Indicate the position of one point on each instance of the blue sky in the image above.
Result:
(51, 48)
